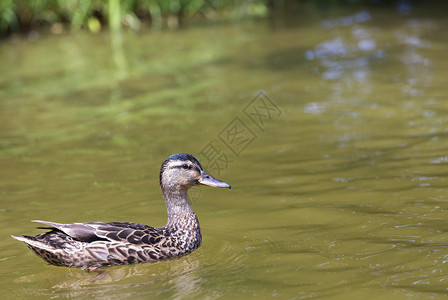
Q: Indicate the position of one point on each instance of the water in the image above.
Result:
(340, 192)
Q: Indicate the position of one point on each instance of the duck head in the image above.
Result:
(181, 171)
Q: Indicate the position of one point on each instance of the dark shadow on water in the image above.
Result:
(285, 59)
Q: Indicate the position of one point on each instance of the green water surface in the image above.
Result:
(338, 170)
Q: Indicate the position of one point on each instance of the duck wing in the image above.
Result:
(132, 233)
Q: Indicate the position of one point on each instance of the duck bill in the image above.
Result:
(210, 181)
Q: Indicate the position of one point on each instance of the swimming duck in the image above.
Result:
(95, 245)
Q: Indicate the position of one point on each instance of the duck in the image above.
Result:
(95, 245)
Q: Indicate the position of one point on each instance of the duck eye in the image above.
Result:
(185, 166)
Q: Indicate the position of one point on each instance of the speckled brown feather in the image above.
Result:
(95, 245)
(117, 243)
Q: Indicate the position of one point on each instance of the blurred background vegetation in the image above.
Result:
(21, 16)
(57, 16)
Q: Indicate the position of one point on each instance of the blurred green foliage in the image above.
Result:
(57, 15)
(23, 16)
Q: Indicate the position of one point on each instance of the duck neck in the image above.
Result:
(178, 207)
